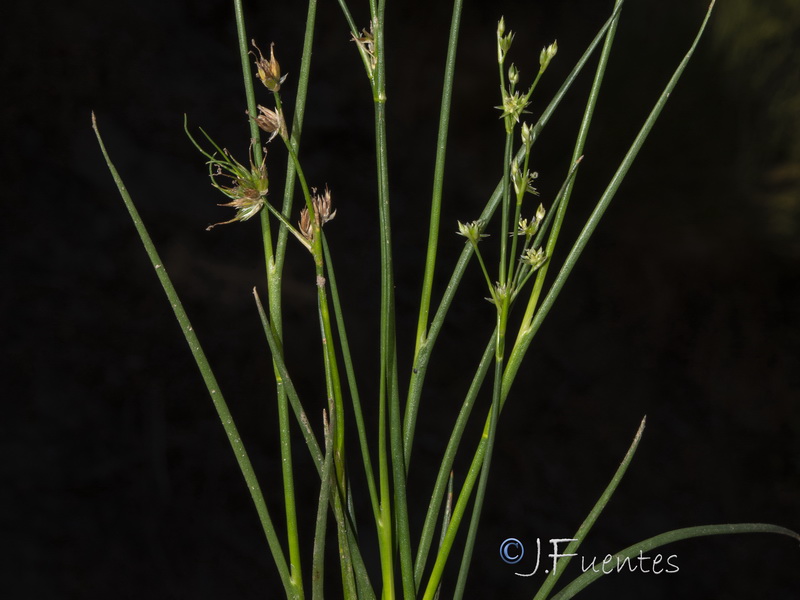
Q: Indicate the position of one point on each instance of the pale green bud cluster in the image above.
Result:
(503, 41)
(547, 55)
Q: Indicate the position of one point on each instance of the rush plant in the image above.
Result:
(526, 231)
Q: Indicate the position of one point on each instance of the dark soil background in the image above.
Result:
(116, 478)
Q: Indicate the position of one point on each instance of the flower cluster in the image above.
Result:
(249, 186)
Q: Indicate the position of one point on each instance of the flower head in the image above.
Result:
(248, 190)
(472, 231)
(513, 105)
(534, 257)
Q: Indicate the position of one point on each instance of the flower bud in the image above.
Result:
(526, 133)
(547, 55)
(540, 212)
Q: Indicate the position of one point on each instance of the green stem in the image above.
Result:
(436, 197)
(388, 389)
(446, 466)
(295, 160)
(318, 561)
(352, 567)
(351, 379)
(287, 472)
(247, 76)
(484, 270)
(245, 466)
(332, 378)
(255, 132)
(458, 514)
(508, 156)
(466, 559)
(296, 130)
(277, 359)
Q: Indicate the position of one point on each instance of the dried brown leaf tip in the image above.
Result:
(268, 71)
(322, 213)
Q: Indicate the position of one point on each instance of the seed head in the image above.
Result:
(268, 71)
(322, 206)
(272, 122)
(322, 213)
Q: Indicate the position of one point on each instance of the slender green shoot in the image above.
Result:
(624, 556)
(588, 523)
(318, 561)
(210, 380)
(438, 186)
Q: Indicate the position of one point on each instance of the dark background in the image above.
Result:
(117, 479)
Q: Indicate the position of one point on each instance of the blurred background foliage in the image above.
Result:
(757, 43)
